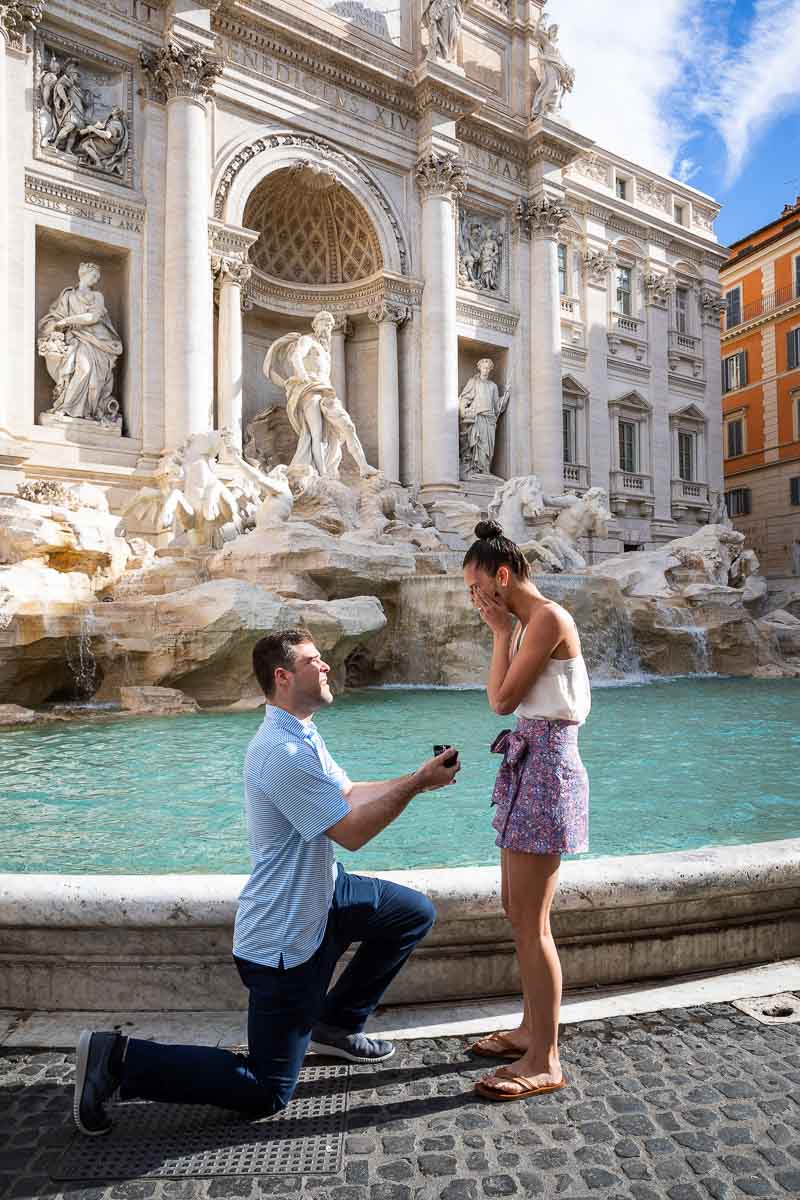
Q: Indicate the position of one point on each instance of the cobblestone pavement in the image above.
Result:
(686, 1104)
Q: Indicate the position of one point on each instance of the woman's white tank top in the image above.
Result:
(560, 692)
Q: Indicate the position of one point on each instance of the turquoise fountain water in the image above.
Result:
(673, 765)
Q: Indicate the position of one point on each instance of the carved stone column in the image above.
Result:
(341, 331)
(441, 180)
(17, 20)
(388, 317)
(183, 78)
(231, 275)
(545, 217)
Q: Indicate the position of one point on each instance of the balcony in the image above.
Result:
(765, 305)
(576, 476)
(572, 329)
(632, 326)
(693, 494)
(631, 492)
(684, 343)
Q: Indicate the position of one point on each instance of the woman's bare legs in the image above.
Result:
(520, 1037)
(531, 881)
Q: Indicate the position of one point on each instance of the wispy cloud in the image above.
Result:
(653, 77)
(754, 81)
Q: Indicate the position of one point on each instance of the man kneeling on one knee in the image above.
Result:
(298, 913)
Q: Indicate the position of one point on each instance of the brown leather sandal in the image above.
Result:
(496, 1045)
(526, 1090)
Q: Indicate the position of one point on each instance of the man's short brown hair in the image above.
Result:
(276, 650)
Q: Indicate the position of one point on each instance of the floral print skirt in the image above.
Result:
(542, 789)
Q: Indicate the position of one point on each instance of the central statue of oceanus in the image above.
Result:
(300, 363)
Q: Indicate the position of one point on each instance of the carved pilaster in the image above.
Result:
(658, 289)
(712, 307)
(344, 326)
(233, 270)
(19, 18)
(174, 70)
(441, 174)
(397, 314)
(546, 216)
(521, 220)
(597, 264)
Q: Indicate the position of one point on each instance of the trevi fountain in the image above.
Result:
(294, 298)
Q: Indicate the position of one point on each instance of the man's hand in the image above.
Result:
(433, 774)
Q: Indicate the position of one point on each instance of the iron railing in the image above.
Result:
(766, 304)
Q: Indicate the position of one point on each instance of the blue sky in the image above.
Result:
(705, 90)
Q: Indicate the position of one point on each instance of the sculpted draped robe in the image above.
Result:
(84, 377)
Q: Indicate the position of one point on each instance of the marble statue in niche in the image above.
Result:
(442, 19)
(555, 77)
(80, 347)
(300, 363)
(71, 125)
(480, 251)
(480, 407)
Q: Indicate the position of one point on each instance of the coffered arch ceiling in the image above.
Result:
(313, 229)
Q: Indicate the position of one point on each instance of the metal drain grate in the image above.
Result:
(189, 1141)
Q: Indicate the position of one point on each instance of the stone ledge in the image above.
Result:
(164, 942)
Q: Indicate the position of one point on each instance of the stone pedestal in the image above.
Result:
(387, 318)
(440, 178)
(184, 77)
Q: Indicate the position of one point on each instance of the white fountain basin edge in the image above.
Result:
(163, 942)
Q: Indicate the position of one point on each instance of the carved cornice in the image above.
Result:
(435, 94)
(712, 307)
(395, 314)
(174, 70)
(100, 206)
(440, 174)
(478, 314)
(339, 300)
(320, 150)
(471, 132)
(230, 241)
(321, 60)
(18, 18)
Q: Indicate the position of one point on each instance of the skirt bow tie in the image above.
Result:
(513, 746)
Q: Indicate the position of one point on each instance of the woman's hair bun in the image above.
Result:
(486, 531)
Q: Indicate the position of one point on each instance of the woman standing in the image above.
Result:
(542, 792)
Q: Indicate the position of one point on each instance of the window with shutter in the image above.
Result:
(686, 456)
(569, 425)
(794, 490)
(682, 309)
(624, 291)
(734, 311)
(737, 502)
(735, 438)
(562, 269)
(793, 348)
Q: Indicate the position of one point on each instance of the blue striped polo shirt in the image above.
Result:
(293, 793)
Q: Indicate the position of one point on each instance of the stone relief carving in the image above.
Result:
(480, 252)
(363, 16)
(555, 77)
(651, 195)
(380, 311)
(19, 18)
(174, 70)
(597, 264)
(703, 217)
(658, 288)
(480, 407)
(300, 363)
(322, 150)
(80, 347)
(590, 166)
(440, 174)
(442, 19)
(83, 106)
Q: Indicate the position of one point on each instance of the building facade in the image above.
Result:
(761, 390)
(231, 168)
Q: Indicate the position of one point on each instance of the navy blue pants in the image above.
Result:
(285, 1003)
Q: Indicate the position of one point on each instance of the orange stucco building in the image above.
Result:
(761, 390)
